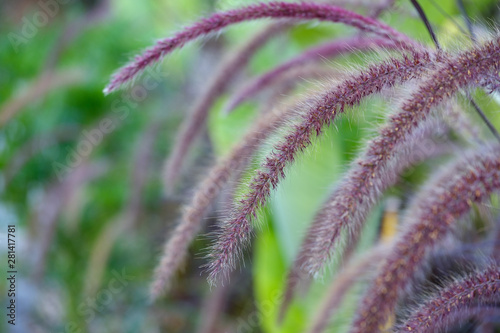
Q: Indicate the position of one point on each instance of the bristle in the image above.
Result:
(491, 82)
(457, 119)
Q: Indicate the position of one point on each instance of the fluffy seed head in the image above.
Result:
(457, 302)
(276, 10)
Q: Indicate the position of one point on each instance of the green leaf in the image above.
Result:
(269, 273)
(226, 130)
(304, 189)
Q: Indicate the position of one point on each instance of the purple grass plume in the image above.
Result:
(277, 10)
(432, 216)
(456, 303)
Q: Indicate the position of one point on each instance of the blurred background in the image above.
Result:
(81, 172)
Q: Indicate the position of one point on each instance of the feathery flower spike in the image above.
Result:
(457, 302)
(276, 10)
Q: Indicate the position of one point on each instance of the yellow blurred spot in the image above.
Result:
(390, 220)
(386, 328)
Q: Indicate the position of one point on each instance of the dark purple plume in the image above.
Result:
(460, 71)
(472, 296)
(276, 10)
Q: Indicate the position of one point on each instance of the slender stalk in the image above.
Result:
(468, 22)
(483, 117)
(426, 22)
